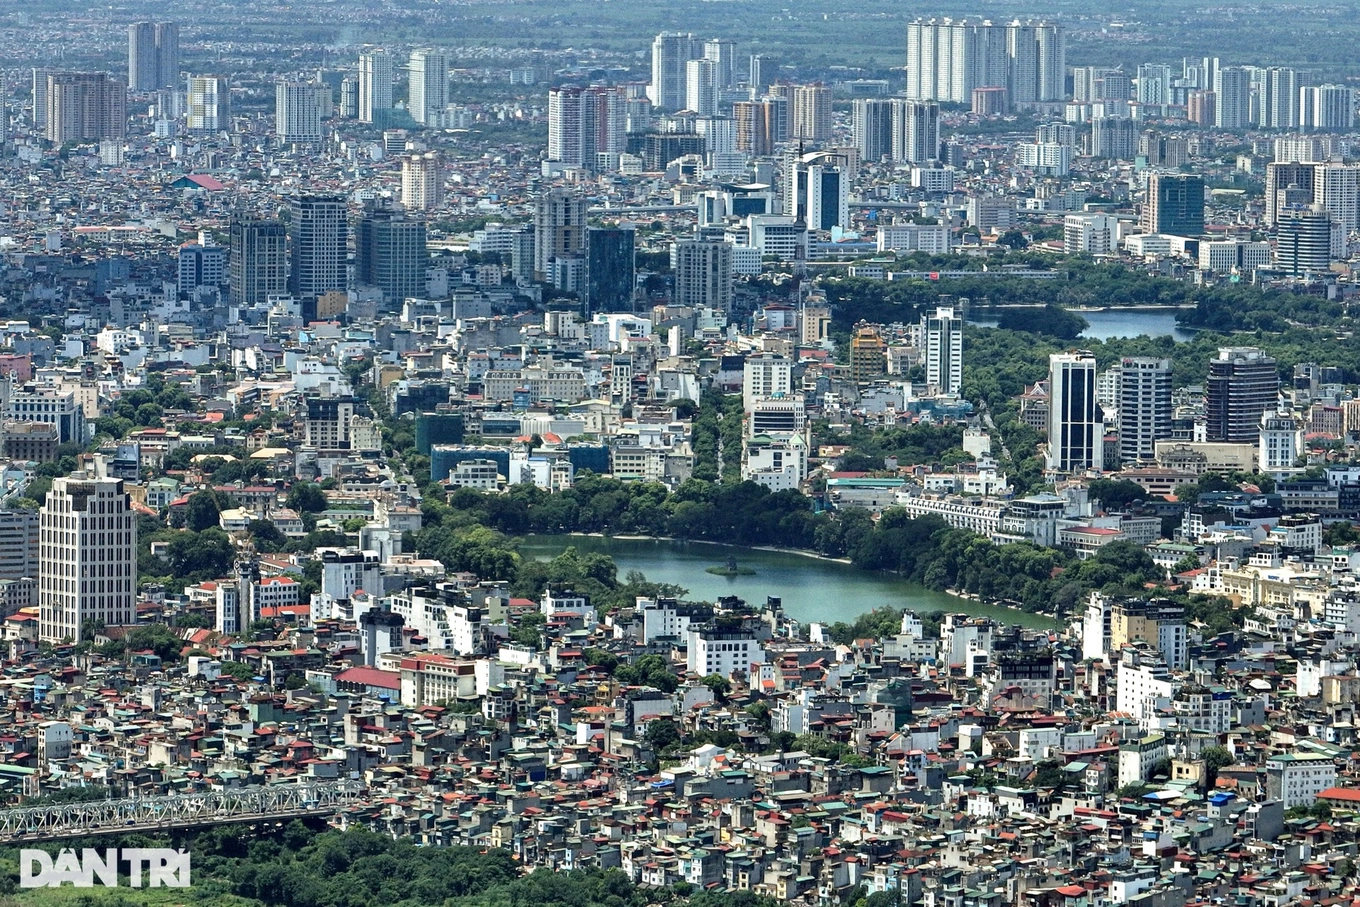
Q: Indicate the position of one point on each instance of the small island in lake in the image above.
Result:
(731, 569)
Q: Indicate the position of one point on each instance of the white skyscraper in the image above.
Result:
(584, 122)
(1232, 101)
(88, 558)
(948, 58)
(429, 75)
(723, 53)
(299, 109)
(671, 51)
(1076, 425)
(1326, 108)
(701, 87)
(1336, 187)
(944, 350)
(422, 181)
(209, 104)
(375, 83)
(1277, 99)
(1154, 84)
(1143, 399)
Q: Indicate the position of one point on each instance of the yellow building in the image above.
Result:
(868, 355)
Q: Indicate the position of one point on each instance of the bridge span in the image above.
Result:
(176, 811)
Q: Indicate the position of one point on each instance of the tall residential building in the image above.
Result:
(1277, 98)
(209, 99)
(1327, 108)
(723, 53)
(143, 64)
(559, 227)
(85, 105)
(1303, 241)
(944, 350)
(760, 125)
(610, 271)
(811, 115)
(422, 181)
(873, 128)
(761, 72)
(258, 266)
(916, 131)
(1114, 138)
(88, 553)
(701, 87)
(299, 110)
(1174, 204)
(167, 53)
(1076, 425)
(1288, 184)
(390, 252)
(349, 97)
(947, 59)
(375, 84)
(1154, 85)
(586, 122)
(429, 79)
(1243, 383)
(703, 274)
(153, 56)
(40, 99)
(1336, 186)
(1232, 99)
(1143, 399)
(319, 237)
(671, 53)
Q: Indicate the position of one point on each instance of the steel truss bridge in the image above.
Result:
(177, 811)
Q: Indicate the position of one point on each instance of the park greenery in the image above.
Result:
(306, 865)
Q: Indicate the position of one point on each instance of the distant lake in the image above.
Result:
(811, 589)
(1109, 323)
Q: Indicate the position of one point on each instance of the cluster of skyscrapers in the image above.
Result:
(949, 59)
(308, 257)
(1232, 98)
(699, 101)
(1100, 420)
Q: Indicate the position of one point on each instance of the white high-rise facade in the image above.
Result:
(1143, 399)
(87, 542)
(209, 104)
(299, 110)
(422, 181)
(944, 350)
(723, 53)
(701, 87)
(1076, 425)
(1277, 98)
(1336, 187)
(1326, 108)
(429, 76)
(671, 52)
(585, 122)
(764, 377)
(948, 58)
(1232, 98)
(375, 83)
